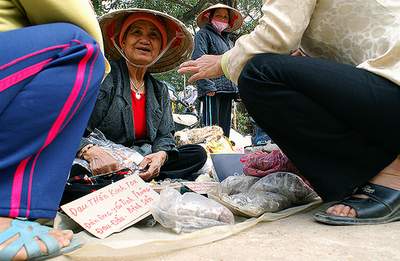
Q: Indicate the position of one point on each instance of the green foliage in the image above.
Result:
(175, 79)
(243, 120)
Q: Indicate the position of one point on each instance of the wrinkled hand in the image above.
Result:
(100, 161)
(152, 164)
(205, 67)
(210, 93)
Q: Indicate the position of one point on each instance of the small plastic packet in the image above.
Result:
(189, 212)
(126, 157)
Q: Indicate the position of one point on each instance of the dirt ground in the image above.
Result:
(297, 237)
(300, 238)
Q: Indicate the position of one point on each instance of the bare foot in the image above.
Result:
(388, 177)
(63, 237)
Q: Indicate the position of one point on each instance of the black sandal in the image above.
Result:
(381, 206)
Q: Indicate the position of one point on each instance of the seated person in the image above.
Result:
(133, 108)
(51, 66)
(335, 113)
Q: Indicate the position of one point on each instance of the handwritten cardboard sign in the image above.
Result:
(114, 207)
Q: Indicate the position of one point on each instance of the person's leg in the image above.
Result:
(336, 123)
(210, 112)
(225, 109)
(191, 158)
(49, 79)
(389, 177)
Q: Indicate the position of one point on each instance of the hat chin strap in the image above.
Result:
(121, 52)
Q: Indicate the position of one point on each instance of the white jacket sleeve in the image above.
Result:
(278, 31)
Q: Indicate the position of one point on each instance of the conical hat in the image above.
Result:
(235, 21)
(179, 51)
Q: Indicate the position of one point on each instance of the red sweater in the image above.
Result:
(139, 115)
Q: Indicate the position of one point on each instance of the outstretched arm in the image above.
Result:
(205, 67)
(279, 31)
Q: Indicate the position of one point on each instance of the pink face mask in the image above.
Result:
(218, 25)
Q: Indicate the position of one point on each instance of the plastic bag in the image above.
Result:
(222, 145)
(81, 180)
(262, 163)
(126, 157)
(256, 204)
(251, 196)
(189, 212)
(237, 184)
(268, 147)
(207, 172)
(198, 135)
(287, 184)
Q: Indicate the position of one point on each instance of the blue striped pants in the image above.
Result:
(49, 79)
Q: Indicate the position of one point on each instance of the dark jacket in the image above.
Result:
(208, 41)
(112, 114)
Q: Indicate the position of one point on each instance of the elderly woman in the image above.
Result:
(336, 113)
(216, 23)
(133, 108)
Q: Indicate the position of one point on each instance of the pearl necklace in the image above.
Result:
(136, 89)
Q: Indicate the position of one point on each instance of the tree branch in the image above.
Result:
(181, 3)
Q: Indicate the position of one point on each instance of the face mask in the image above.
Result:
(218, 25)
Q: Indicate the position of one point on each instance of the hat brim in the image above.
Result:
(236, 18)
(180, 50)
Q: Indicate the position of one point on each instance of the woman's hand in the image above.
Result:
(205, 67)
(210, 93)
(100, 161)
(152, 164)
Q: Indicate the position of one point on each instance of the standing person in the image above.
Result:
(336, 113)
(50, 71)
(216, 23)
(133, 108)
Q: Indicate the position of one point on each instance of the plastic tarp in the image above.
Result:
(140, 242)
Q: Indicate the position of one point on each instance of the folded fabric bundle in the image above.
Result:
(261, 163)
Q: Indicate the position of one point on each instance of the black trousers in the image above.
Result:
(340, 125)
(217, 111)
(190, 159)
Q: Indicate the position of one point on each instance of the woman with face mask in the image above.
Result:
(216, 22)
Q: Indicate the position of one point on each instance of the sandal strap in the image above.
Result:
(31, 247)
(51, 243)
(27, 232)
(388, 196)
(9, 252)
(7, 234)
(381, 201)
